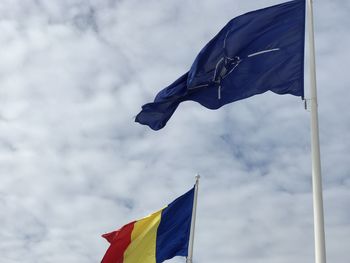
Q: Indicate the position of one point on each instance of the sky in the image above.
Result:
(75, 165)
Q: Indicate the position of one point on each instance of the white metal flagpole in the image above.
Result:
(193, 222)
(320, 247)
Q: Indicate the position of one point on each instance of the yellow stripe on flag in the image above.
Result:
(142, 248)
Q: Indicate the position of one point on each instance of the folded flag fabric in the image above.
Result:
(155, 238)
(256, 52)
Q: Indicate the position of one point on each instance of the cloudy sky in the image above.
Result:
(74, 165)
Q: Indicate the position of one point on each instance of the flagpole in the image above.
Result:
(320, 247)
(193, 222)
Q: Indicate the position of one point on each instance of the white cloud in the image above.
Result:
(74, 165)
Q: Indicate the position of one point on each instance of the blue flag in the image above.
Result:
(255, 52)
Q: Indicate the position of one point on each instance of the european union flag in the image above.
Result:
(255, 52)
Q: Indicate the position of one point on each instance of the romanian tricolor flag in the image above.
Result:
(155, 238)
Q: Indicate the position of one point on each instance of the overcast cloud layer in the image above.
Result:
(74, 165)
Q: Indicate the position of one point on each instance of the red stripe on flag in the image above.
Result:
(119, 240)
